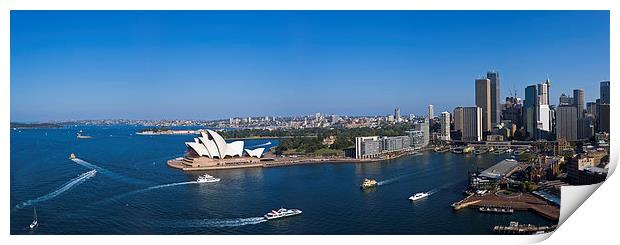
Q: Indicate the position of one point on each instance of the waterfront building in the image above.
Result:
(500, 170)
(604, 92)
(496, 110)
(212, 145)
(483, 100)
(416, 138)
(445, 126)
(472, 124)
(431, 114)
(458, 119)
(396, 143)
(566, 122)
(424, 127)
(582, 170)
(579, 101)
(367, 147)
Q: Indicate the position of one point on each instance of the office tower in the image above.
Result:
(529, 109)
(397, 114)
(566, 100)
(603, 118)
(472, 124)
(543, 92)
(604, 93)
(483, 100)
(458, 119)
(496, 109)
(579, 101)
(512, 111)
(445, 126)
(566, 122)
(431, 114)
(591, 108)
(585, 127)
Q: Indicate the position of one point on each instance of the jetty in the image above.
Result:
(518, 201)
(522, 229)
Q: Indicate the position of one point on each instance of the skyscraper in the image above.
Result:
(496, 109)
(604, 93)
(566, 100)
(445, 126)
(566, 122)
(472, 124)
(397, 114)
(603, 118)
(483, 100)
(431, 114)
(579, 101)
(543, 92)
(458, 119)
(529, 109)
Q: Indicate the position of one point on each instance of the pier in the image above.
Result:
(522, 229)
(520, 201)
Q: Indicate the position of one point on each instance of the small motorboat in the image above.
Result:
(281, 213)
(35, 222)
(419, 196)
(72, 156)
(206, 178)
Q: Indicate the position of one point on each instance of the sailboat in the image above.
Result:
(35, 222)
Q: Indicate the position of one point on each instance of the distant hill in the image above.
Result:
(34, 125)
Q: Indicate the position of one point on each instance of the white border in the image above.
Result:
(596, 223)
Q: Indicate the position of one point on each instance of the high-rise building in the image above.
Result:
(603, 118)
(458, 119)
(543, 92)
(431, 114)
(579, 101)
(566, 100)
(397, 114)
(445, 126)
(604, 93)
(425, 129)
(483, 100)
(585, 127)
(591, 108)
(496, 109)
(566, 122)
(529, 109)
(472, 124)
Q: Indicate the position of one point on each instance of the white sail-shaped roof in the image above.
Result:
(219, 142)
(234, 148)
(258, 152)
(200, 149)
(210, 146)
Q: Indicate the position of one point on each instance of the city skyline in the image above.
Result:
(165, 65)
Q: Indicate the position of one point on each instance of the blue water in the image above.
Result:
(135, 192)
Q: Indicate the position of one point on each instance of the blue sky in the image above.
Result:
(221, 64)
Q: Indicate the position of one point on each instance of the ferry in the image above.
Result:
(419, 196)
(206, 178)
(368, 183)
(281, 213)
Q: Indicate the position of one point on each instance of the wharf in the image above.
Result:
(522, 201)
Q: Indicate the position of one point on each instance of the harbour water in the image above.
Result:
(134, 192)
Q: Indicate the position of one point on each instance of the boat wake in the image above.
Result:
(433, 191)
(108, 172)
(65, 187)
(221, 222)
(395, 179)
(261, 145)
(121, 196)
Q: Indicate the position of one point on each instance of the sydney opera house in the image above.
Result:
(210, 151)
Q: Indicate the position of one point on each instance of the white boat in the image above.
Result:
(419, 196)
(281, 213)
(206, 178)
(35, 222)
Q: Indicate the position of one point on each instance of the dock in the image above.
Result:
(522, 229)
(521, 201)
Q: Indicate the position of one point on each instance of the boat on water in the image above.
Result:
(80, 136)
(206, 178)
(368, 183)
(499, 152)
(35, 222)
(281, 213)
(457, 150)
(480, 151)
(419, 196)
(72, 156)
